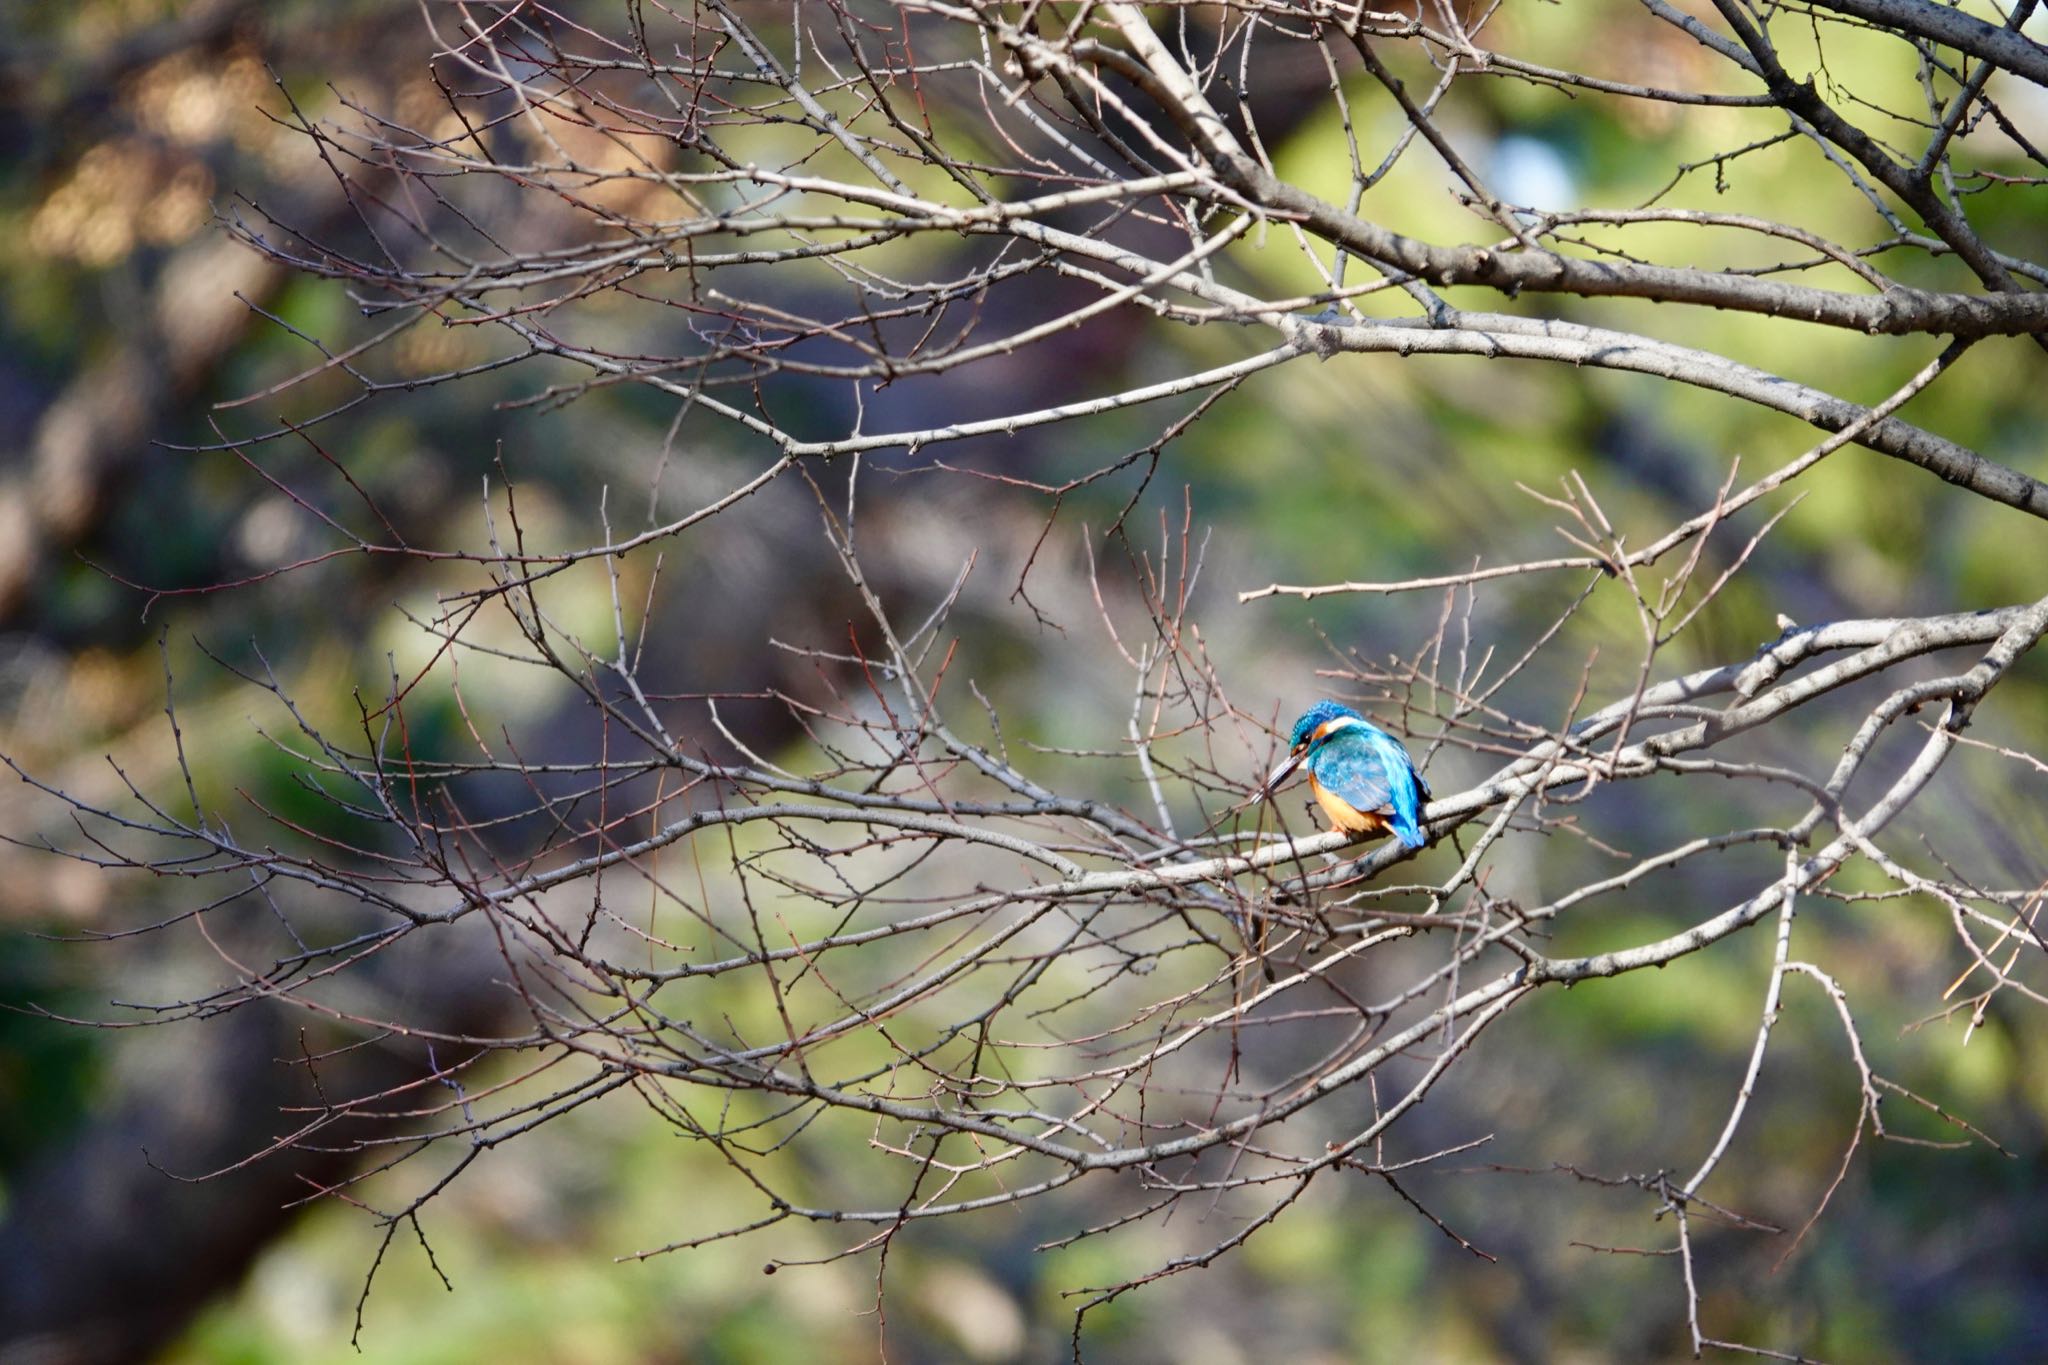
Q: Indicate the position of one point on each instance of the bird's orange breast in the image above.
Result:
(1344, 816)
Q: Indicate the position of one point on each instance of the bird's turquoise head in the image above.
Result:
(1309, 728)
(1314, 724)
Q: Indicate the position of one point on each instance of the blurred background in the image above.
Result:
(127, 317)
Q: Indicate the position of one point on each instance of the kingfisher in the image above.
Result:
(1361, 776)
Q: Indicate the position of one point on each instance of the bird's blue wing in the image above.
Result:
(1371, 771)
(1350, 765)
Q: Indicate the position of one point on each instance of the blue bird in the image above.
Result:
(1361, 776)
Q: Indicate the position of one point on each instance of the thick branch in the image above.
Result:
(1498, 334)
(2015, 52)
(1897, 311)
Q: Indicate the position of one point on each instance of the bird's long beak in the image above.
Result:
(1282, 773)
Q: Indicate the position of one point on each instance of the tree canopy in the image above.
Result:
(646, 638)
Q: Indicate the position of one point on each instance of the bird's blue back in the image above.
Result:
(1367, 767)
